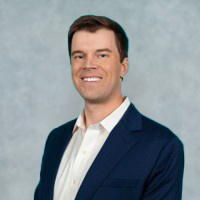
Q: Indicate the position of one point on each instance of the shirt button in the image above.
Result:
(73, 181)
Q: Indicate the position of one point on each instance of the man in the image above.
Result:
(111, 152)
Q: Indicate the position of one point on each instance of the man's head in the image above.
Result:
(98, 49)
(93, 23)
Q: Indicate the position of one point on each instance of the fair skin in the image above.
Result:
(96, 71)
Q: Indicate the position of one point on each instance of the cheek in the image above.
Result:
(74, 71)
(73, 74)
(115, 72)
(74, 77)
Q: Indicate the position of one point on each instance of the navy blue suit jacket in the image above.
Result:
(140, 160)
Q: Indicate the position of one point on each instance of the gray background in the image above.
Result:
(37, 93)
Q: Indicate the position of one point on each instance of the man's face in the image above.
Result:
(96, 67)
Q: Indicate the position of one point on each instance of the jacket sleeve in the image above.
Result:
(38, 188)
(165, 181)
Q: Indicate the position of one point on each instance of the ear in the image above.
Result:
(124, 67)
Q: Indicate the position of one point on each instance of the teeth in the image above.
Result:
(91, 79)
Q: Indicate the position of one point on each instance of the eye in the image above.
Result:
(102, 55)
(79, 57)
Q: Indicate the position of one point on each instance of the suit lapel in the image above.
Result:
(118, 143)
(60, 142)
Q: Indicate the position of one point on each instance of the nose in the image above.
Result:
(89, 63)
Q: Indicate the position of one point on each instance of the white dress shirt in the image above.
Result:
(82, 150)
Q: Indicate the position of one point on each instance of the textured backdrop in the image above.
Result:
(37, 93)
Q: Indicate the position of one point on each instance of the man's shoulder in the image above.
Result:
(156, 131)
(63, 128)
(65, 125)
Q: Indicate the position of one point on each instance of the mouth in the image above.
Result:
(91, 79)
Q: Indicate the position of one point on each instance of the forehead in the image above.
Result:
(102, 38)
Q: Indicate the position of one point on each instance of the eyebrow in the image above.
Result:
(105, 49)
(77, 51)
(97, 51)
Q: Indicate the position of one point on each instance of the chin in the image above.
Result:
(93, 99)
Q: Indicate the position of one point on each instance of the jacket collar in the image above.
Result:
(132, 118)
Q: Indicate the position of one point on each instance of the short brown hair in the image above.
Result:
(92, 23)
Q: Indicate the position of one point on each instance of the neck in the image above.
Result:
(95, 113)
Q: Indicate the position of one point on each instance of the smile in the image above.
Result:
(91, 79)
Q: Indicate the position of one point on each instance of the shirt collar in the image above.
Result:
(110, 121)
(79, 122)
